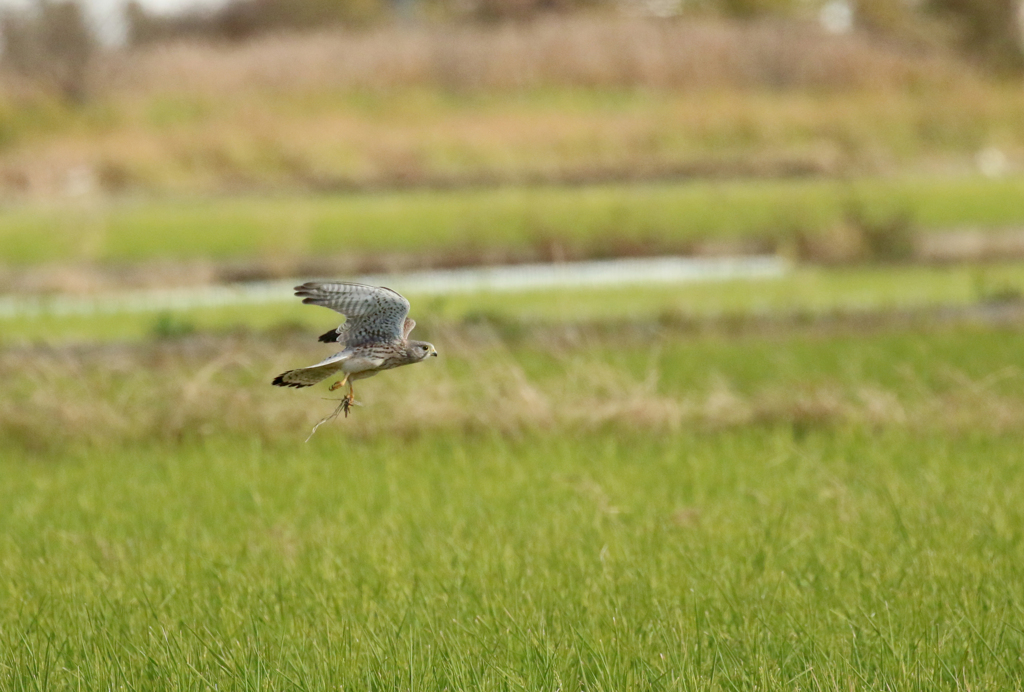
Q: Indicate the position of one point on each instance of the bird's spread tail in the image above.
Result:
(283, 380)
(307, 377)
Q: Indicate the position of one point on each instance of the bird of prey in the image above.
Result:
(373, 337)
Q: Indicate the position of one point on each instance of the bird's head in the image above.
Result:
(420, 350)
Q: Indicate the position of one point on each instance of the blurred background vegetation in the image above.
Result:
(826, 132)
(498, 91)
(875, 148)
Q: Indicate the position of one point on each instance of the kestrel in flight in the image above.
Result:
(374, 335)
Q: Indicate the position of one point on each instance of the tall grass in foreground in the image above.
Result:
(753, 558)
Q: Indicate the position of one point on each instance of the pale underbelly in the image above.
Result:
(361, 368)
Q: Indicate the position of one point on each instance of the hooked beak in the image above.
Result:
(433, 352)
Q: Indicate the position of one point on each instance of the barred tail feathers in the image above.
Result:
(307, 377)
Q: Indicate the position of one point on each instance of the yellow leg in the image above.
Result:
(346, 403)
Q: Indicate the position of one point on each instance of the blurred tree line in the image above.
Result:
(989, 30)
(52, 41)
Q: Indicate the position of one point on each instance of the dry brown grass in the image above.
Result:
(575, 51)
(194, 388)
(256, 141)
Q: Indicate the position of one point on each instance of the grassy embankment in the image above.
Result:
(556, 100)
(815, 511)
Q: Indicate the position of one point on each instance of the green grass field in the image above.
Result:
(819, 510)
(740, 560)
(799, 510)
(588, 220)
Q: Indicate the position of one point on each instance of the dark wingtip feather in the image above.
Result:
(330, 337)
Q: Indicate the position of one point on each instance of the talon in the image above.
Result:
(337, 384)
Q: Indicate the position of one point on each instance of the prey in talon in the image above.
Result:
(349, 399)
(373, 337)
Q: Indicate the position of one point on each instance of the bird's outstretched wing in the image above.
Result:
(374, 314)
